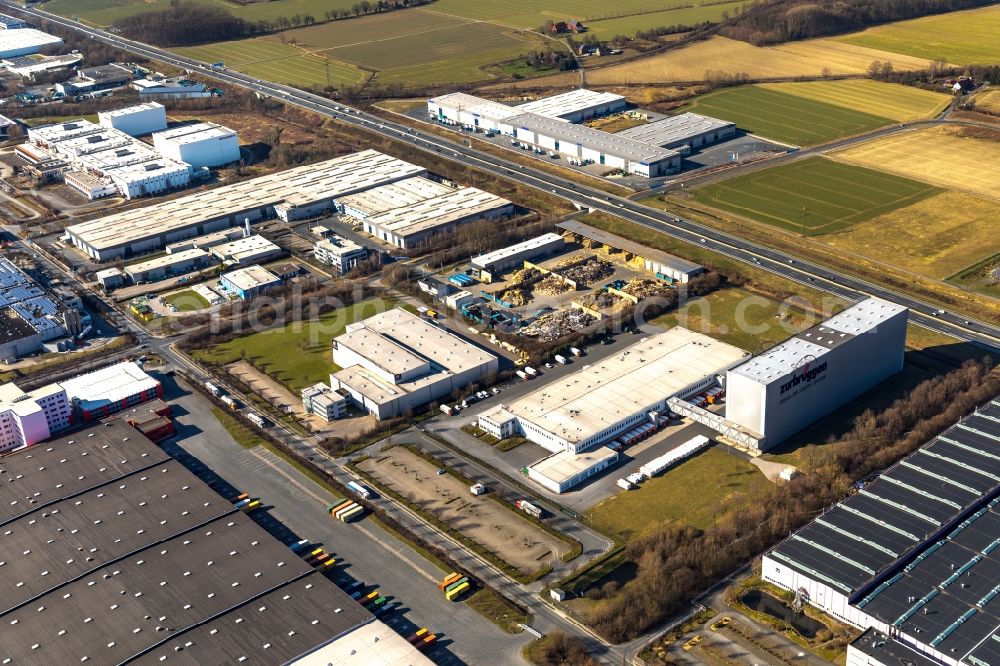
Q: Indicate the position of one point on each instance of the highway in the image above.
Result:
(779, 263)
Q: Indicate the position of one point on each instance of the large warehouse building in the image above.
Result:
(25, 41)
(552, 124)
(199, 144)
(793, 384)
(395, 362)
(289, 195)
(914, 555)
(493, 264)
(136, 120)
(129, 558)
(594, 404)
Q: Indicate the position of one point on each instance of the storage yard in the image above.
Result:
(514, 539)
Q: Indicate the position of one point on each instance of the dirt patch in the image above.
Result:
(513, 539)
(275, 393)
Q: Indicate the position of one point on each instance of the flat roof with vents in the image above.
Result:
(584, 403)
(571, 103)
(112, 552)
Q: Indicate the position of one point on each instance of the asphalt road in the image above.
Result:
(780, 263)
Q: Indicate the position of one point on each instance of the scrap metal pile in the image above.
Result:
(589, 271)
(641, 288)
(600, 300)
(558, 324)
(551, 285)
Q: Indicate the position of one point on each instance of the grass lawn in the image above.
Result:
(186, 301)
(532, 14)
(48, 120)
(886, 100)
(692, 493)
(960, 38)
(938, 236)
(739, 317)
(243, 435)
(980, 277)
(778, 115)
(814, 196)
(298, 354)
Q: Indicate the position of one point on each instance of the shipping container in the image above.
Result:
(356, 512)
(252, 506)
(427, 642)
(343, 509)
(334, 507)
(418, 635)
(370, 597)
(354, 586)
(685, 450)
(623, 483)
(456, 592)
(299, 545)
(378, 603)
(386, 608)
(448, 580)
(240, 497)
(458, 582)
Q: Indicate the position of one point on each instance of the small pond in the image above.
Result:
(804, 625)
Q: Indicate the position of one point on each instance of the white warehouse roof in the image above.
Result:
(131, 110)
(394, 195)
(569, 103)
(594, 139)
(299, 186)
(674, 130)
(432, 213)
(192, 133)
(26, 38)
(251, 277)
(477, 106)
(111, 384)
(514, 250)
(813, 343)
(586, 402)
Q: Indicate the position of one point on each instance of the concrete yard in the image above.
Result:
(512, 538)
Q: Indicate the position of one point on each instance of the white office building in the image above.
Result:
(396, 362)
(341, 254)
(32, 417)
(592, 405)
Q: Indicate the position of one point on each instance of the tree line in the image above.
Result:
(788, 20)
(185, 22)
(676, 563)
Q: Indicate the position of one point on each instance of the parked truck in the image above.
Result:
(531, 371)
(522, 374)
(560, 359)
(529, 508)
(447, 409)
(257, 420)
(575, 352)
(213, 389)
(229, 402)
(359, 489)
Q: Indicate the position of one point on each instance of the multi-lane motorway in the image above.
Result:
(780, 263)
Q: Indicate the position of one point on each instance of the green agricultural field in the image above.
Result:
(960, 38)
(814, 196)
(186, 301)
(271, 60)
(106, 12)
(298, 354)
(692, 493)
(685, 16)
(417, 47)
(783, 117)
(886, 100)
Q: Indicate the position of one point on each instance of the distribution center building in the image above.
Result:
(793, 384)
(199, 144)
(594, 404)
(109, 390)
(686, 129)
(173, 572)
(913, 555)
(575, 106)
(25, 41)
(250, 281)
(396, 362)
(289, 195)
(415, 224)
